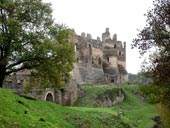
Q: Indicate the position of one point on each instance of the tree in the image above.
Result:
(157, 34)
(29, 39)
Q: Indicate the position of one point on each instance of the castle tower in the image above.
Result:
(114, 54)
(115, 37)
(106, 35)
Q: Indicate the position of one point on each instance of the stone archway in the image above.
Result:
(49, 96)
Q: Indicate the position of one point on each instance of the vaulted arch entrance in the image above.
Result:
(49, 96)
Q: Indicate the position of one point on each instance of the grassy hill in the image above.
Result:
(136, 111)
(18, 112)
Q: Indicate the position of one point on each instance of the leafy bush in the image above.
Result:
(149, 93)
(109, 93)
(165, 114)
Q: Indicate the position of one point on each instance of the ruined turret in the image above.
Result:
(115, 37)
(98, 39)
(83, 34)
(106, 35)
(89, 37)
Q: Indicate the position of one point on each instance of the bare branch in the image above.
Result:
(21, 68)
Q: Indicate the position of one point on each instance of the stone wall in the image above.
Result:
(108, 102)
(70, 94)
(91, 75)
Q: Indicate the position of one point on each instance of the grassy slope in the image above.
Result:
(91, 92)
(18, 112)
(135, 111)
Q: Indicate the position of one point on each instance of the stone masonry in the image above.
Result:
(99, 61)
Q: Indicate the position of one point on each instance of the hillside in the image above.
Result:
(137, 112)
(18, 112)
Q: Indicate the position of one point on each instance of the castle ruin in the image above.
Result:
(99, 61)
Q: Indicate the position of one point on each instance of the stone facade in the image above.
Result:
(99, 61)
(64, 96)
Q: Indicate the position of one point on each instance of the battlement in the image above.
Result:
(106, 40)
(89, 37)
(94, 56)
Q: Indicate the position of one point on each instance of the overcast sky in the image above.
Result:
(123, 17)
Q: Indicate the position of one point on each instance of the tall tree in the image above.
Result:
(29, 39)
(157, 34)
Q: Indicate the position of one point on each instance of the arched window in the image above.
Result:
(99, 61)
(86, 60)
(108, 60)
(92, 60)
(90, 50)
(89, 59)
(77, 59)
(120, 53)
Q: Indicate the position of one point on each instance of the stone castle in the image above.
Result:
(98, 61)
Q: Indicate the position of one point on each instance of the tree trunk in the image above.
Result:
(2, 77)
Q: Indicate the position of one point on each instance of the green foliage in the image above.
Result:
(109, 93)
(55, 71)
(150, 93)
(156, 35)
(26, 87)
(93, 93)
(165, 114)
(29, 39)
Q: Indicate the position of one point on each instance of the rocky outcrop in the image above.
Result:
(108, 102)
(99, 96)
(110, 97)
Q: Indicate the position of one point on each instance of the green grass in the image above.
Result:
(18, 112)
(93, 92)
(135, 111)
